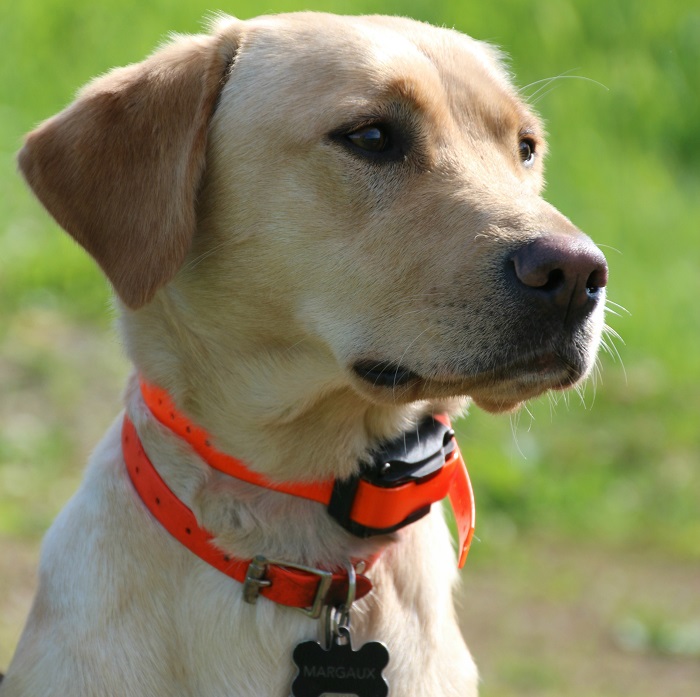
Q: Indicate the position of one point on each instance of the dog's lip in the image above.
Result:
(510, 382)
(537, 372)
(384, 373)
(506, 389)
(540, 364)
(542, 367)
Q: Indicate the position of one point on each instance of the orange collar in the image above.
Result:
(366, 505)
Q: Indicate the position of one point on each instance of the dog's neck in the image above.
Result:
(259, 400)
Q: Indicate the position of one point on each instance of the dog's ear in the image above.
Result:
(120, 168)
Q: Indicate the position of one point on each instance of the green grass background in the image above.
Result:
(604, 489)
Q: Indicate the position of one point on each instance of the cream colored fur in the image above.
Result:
(256, 258)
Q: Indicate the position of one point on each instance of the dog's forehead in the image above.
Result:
(376, 43)
(341, 62)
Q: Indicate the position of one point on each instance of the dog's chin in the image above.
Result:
(498, 390)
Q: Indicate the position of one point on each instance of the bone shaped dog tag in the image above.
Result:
(338, 670)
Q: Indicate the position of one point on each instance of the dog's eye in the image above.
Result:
(370, 138)
(526, 149)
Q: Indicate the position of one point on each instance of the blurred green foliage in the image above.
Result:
(617, 84)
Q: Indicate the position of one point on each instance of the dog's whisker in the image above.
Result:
(610, 247)
(606, 348)
(514, 435)
(547, 80)
(541, 96)
(596, 378)
(291, 347)
(622, 308)
(193, 263)
(545, 83)
(566, 396)
(611, 348)
(609, 331)
(581, 391)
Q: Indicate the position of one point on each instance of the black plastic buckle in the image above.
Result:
(415, 456)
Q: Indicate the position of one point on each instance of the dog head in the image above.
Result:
(351, 201)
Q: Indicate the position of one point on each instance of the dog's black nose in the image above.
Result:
(563, 271)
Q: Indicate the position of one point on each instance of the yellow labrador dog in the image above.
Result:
(320, 230)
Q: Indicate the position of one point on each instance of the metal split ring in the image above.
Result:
(337, 619)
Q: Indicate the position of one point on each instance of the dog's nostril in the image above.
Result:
(555, 280)
(597, 280)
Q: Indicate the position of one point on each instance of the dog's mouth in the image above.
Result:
(499, 389)
(384, 373)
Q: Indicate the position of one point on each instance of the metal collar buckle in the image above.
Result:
(255, 581)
